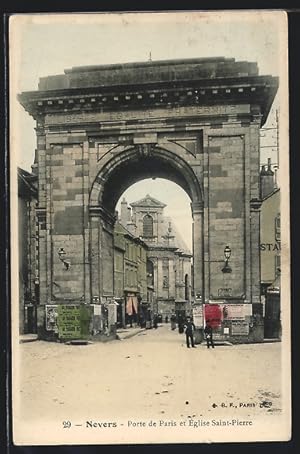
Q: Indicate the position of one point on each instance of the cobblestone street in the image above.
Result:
(149, 375)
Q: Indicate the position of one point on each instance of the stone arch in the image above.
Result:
(138, 163)
(117, 174)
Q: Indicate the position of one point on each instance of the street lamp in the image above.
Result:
(227, 254)
(62, 255)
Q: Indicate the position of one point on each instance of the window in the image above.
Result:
(186, 287)
(150, 273)
(148, 226)
(277, 265)
(277, 228)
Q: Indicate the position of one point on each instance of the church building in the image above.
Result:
(168, 255)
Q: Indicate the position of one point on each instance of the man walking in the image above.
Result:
(209, 335)
(173, 321)
(189, 332)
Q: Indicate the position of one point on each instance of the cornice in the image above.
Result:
(258, 90)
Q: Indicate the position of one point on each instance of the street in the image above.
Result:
(150, 375)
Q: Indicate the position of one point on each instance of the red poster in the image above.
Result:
(213, 315)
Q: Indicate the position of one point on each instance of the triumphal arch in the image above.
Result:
(102, 128)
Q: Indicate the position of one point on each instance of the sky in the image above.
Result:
(42, 45)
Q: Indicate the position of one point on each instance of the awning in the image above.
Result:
(131, 305)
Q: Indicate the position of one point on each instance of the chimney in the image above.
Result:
(34, 166)
(267, 183)
(132, 228)
(128, 214)
(124, 211)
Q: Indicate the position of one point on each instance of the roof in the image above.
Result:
(270, 195)
(27, 183)
(120, 229)
(149, 71)
(148, 202)
(178, 240)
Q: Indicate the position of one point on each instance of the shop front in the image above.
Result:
(233, 321)
(272, 322)
(132, 309)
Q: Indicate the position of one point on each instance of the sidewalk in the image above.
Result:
(269, 341)
(126, 333)
(27, 338)
(123, 333)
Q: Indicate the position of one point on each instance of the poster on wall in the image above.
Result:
(51, 318)
(236, 311)
(148, 161)
(198, 315)
(239, 328)
(69, 321)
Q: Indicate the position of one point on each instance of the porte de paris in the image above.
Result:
(92, 271)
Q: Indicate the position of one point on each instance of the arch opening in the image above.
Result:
(131, 166)
(172, 260)
(146, 210)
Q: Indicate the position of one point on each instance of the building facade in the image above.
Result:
(270, 246)
(270, 253)
(168, 253)
(131, 287)
(28, 253)
(102, 128)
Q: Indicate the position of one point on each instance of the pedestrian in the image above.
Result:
(173, 321)
(142, 320)
(181, 323)
(155, 321)
(209, 335)
(166, 319)
(189, 332)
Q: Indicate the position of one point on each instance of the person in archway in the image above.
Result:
(173, 321)
(155, 321)
(189, 332)
(208, 331)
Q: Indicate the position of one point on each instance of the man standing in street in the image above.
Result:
(209, 335)
(189, 332)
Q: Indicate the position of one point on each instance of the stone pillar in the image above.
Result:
(101, 247)
(42, 231)
(198, 260)
(155, 281)
(95, 256)
(197, 212)
(171, 279)
(86, 229)
(159, 278)
(255, 205)
(107, 256)
(123, 214)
